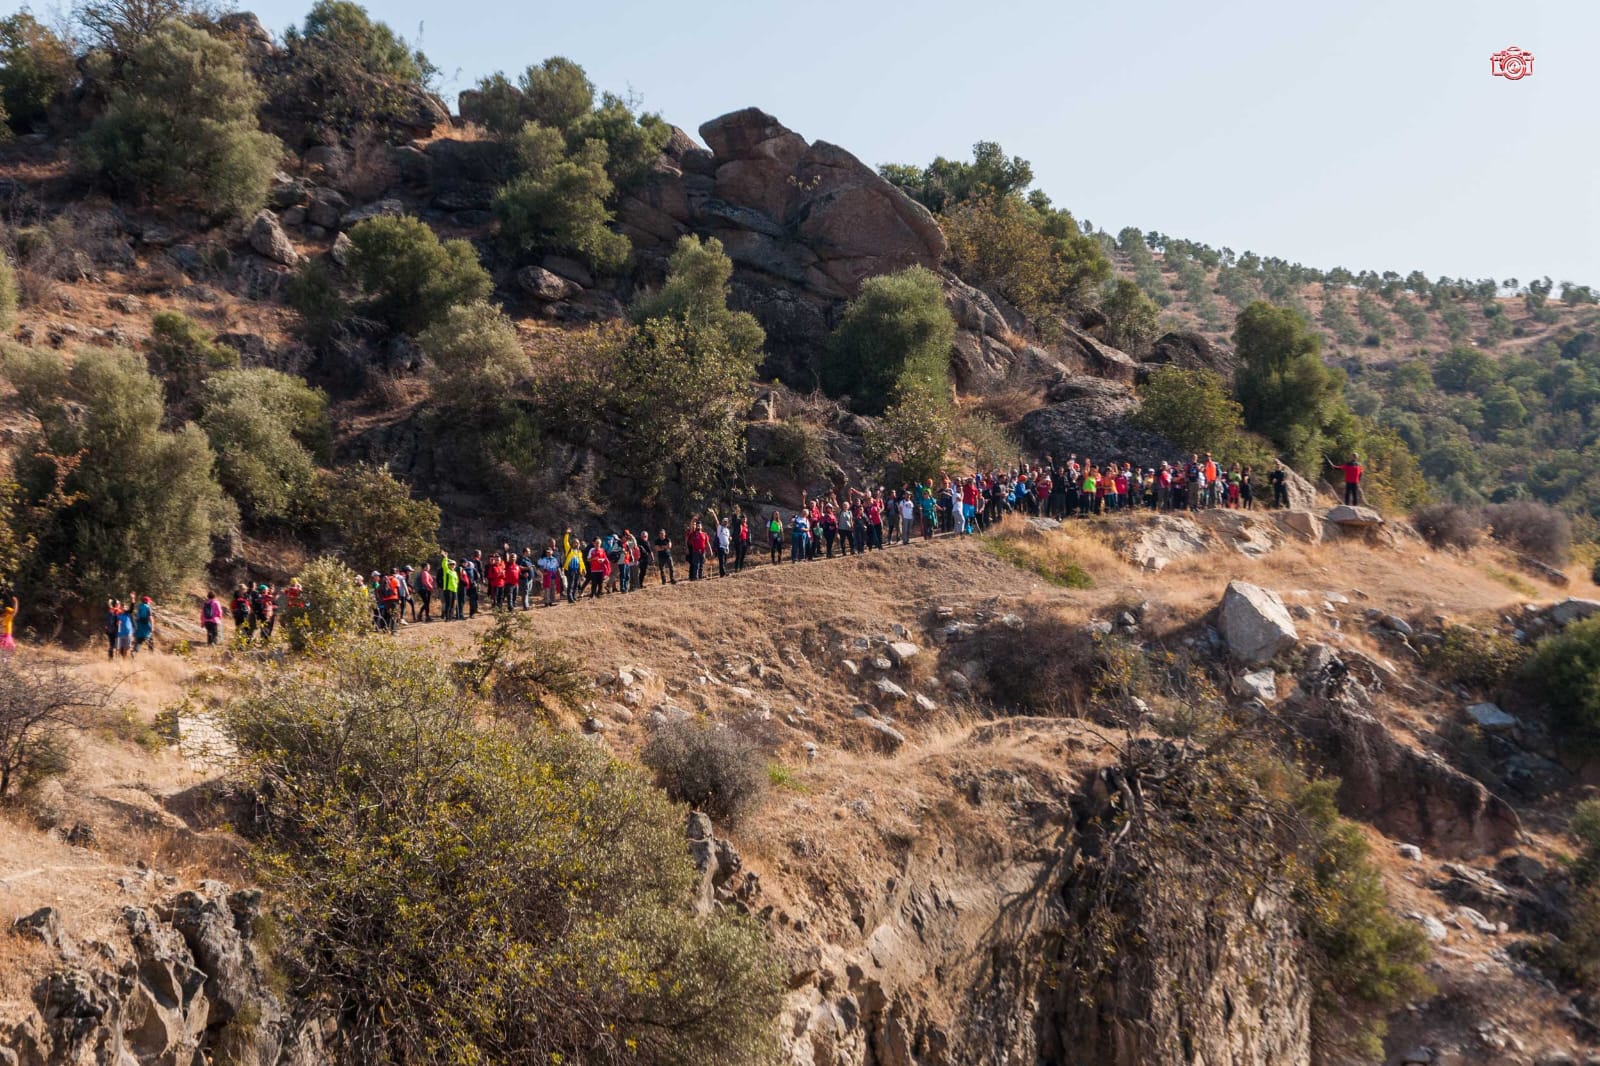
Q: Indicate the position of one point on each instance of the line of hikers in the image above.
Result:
(849, 523)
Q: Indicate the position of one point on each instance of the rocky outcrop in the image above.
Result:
(1255, 624)
(1408, 793)
(1089, 417)
(1189, 351)
(964, 949)
(191, 988)
(268, 239)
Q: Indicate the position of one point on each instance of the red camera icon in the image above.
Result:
(1512, 63)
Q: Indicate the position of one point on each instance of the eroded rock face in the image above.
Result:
(1409, 794)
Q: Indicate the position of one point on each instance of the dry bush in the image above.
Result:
(367, 171)
(1450, 525)
(710, 767)
(1057, 671)
(1008, 403)
(1535, 529)
(39, 706)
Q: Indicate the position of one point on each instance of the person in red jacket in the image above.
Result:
(599, 569)
(699, 545)
(497, 582)
(1352, 478)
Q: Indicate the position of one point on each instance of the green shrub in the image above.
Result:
(266, 428)
(35, 67)
(916, 434)
(676, 385)
(1191, 408)
(374, 520)
(1288, 395)
(522, 674)
(557, 95)
(412, 279)
(314, 293)
(557, 201)
(335, 605)
(181, 125)
(119, 503)
(896, 333)
(710, 767)
(798, 447)
(433, 880)
(1367, 958)
(1477, 658)
(1565, 673)
(183, 355)
(1132, 319)
(345, 71)
(474, 356)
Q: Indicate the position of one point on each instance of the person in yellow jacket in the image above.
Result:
(572, 566)
(449, 588)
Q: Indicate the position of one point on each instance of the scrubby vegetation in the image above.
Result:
(112, 500)
(411, 278)
(709, 766)
(268, 430)
(372, 517)
(39, 707)
(384, 891)
(1565, 673)
(181, 124)
(894, 336)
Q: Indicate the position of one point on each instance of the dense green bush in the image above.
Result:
(411, 278)
(335, 605)
(314, 293)
(464, 896)
(676, 384)
(557, 201)
(183, 354)
(346, 71)
(896, 333)
(474, 356)
(181, 125)
(710, 767)
(557, 95)
(1191, 408)
(267, 428)
(35, 67)
(1287, 394)
(916, 434)
(374, 520)
(1367, 959)
(120, 504)
(1565, 673)
(1132, 318)
(1481, 659)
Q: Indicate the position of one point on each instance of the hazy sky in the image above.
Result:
(1365, 134)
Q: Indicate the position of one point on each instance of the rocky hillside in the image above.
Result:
(939, 846)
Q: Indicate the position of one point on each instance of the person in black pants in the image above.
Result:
(663, 549)
(1280, 486)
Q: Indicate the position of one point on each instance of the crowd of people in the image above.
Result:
(841, 522)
